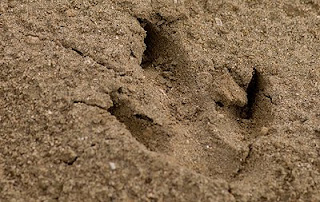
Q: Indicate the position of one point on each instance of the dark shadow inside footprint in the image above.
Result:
(259, 103)
(158, 46)
(142, 127)
(164, 53)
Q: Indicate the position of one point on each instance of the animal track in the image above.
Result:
(198, 122)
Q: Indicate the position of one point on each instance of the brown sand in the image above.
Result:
(172, 100)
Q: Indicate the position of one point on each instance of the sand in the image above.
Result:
(172, 100)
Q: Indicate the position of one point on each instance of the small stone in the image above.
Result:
(71, 13)
(112, 165)
(218, 21)
(33, 40)
(264, 131)
(69, 156)
(220, 116)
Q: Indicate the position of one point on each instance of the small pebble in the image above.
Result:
(218, 21)
(71, 13)
(69, 156)
(112, 165)
(220, 116)
(264, 131)
(33, 40)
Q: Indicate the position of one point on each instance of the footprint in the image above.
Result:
(202, 120)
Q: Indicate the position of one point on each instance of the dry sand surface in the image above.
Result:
(159, 100)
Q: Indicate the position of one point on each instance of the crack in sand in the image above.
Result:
(89, 104)
(84, 55)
